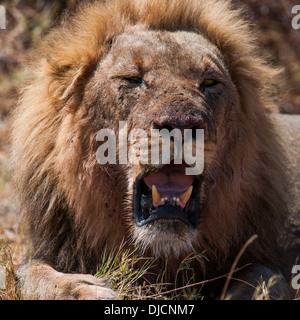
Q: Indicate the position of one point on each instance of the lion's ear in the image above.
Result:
(70, 85)
(65, 82)
(74, 82)
(77, 75)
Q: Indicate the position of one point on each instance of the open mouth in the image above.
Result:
(167, 194)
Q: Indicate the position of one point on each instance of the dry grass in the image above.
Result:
(8, 268)
(126, 271)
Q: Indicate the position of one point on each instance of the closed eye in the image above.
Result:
(134, 81)
(209, 84)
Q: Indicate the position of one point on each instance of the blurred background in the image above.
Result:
(28, 20)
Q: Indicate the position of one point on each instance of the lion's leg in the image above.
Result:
(38, 280)
(251, 283)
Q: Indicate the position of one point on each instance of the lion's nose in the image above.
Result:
(180, 122)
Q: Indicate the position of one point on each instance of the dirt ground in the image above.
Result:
(27, 21)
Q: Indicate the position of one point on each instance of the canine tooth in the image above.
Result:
(186, 196)
(155, 195)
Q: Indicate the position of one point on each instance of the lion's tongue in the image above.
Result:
(170, 182)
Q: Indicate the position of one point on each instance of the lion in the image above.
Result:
(159, 64)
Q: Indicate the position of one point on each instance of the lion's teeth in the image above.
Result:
(186, 195)
(155, 195)
(184, 198)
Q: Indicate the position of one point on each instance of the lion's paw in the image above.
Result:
(84, 287)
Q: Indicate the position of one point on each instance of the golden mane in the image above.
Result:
(245, 193)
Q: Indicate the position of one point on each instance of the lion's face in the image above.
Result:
(164, 80)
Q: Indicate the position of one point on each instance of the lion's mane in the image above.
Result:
(66, 199)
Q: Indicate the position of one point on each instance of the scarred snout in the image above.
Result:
(181, 110)
(181, 122)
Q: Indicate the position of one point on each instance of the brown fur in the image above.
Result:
(72, 207)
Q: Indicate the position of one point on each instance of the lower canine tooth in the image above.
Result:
(186, 195)
(155, 195)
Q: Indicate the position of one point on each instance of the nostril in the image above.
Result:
(163, 126)
(194, 131)
(170, 127)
